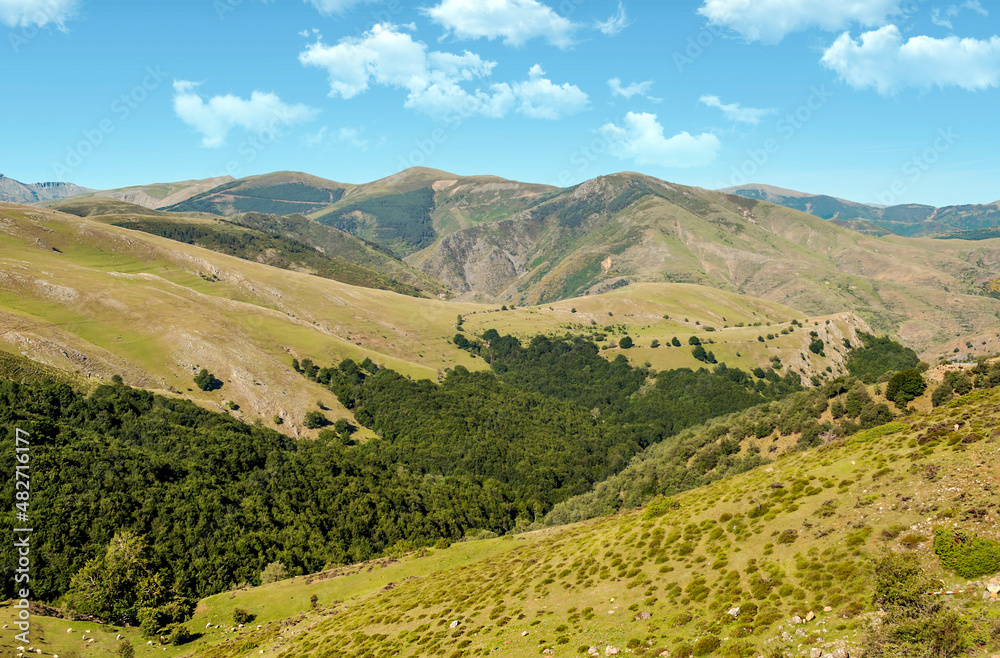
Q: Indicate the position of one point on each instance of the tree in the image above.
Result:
(816, 347)
(125, 650)
(114, 586)
(315, 420)
(206, 381)
(906, 386)
(699, 353)
(942, 394)
(694, 340)
(272, 573)
(654, 344)
(675, 341)
(625, 343)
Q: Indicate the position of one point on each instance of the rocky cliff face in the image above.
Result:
(13, 191)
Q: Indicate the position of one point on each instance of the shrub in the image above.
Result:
(625, 343)
(125, 650)
(966, 554)
(272, 573)
(906, 385)
(315, 420)
(178, 634)
(242, 616)
(206, 381)
(706, 645)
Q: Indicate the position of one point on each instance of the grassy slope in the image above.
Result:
(639, 310)
(922, 290)
(156, 195)
(113, 301)
(580, 585)
(264, 193)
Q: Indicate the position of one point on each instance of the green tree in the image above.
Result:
(114, 586)
(654, 344)
(942, 394)
(315, 420)
(906, 386)
(675, 341)
(206, 381)
(125, 650)
(625, 343)
(694, 340)
(272, 573)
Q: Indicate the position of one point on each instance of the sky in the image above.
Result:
(876, 101)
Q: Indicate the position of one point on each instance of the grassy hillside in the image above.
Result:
(409, 210)
(84, 296)
(156, 195)
(792, 539)
(631, 228)
(280, 193)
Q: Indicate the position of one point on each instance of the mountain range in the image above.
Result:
(906, 219)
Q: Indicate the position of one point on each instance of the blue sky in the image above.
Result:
(882, 101)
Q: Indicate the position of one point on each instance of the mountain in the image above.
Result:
(906, 219)
(629, 228)
(158, 195)
(410, 210)
(12, 191)
(86, 296)
(280, 193)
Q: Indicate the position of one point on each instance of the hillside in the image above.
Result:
(279, 193)
(156, 195)
(409, 210)
(907, 219)
(83, 295)
(12, 191)
(629, 228)
(778, 561)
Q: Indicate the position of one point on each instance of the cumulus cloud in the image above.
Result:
(37, 13)
(514, 21)
(943, 17)
(214, 119)
(770, 20)
(634, 89)
(540, 98)
(437, 83)
(641, 139)
(883, 61)
(616, 24)
(735, 111)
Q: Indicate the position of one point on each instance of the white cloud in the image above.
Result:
(262, 112)
(38, 13)
(514, 21)
(634, 89)
(334, 7)
(883, 61)
(616, 24)
(436, 81)
(641, 139)
(770, 20)
(540, 98)
(735, 111)
(943, 18)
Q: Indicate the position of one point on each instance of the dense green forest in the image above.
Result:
(877, 356)
(271, 248)
(280, 199)
(216, 499)
(403, 221)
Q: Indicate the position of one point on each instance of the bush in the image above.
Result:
(242, 616)
(625, 343)
(942, 394)
(315, 420)
(206, 381)
(178, 634)
(125, 650)
(706, 646)
(272, 573)
(906, 385)
(966, 554)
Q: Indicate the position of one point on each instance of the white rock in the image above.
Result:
(733, 612)
(611, 651)
(454, 624)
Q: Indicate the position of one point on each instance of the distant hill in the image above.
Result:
(13, 191)
(906, 219)
(412, 209)
(158, 195)
(280, 193)
(629, 228)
